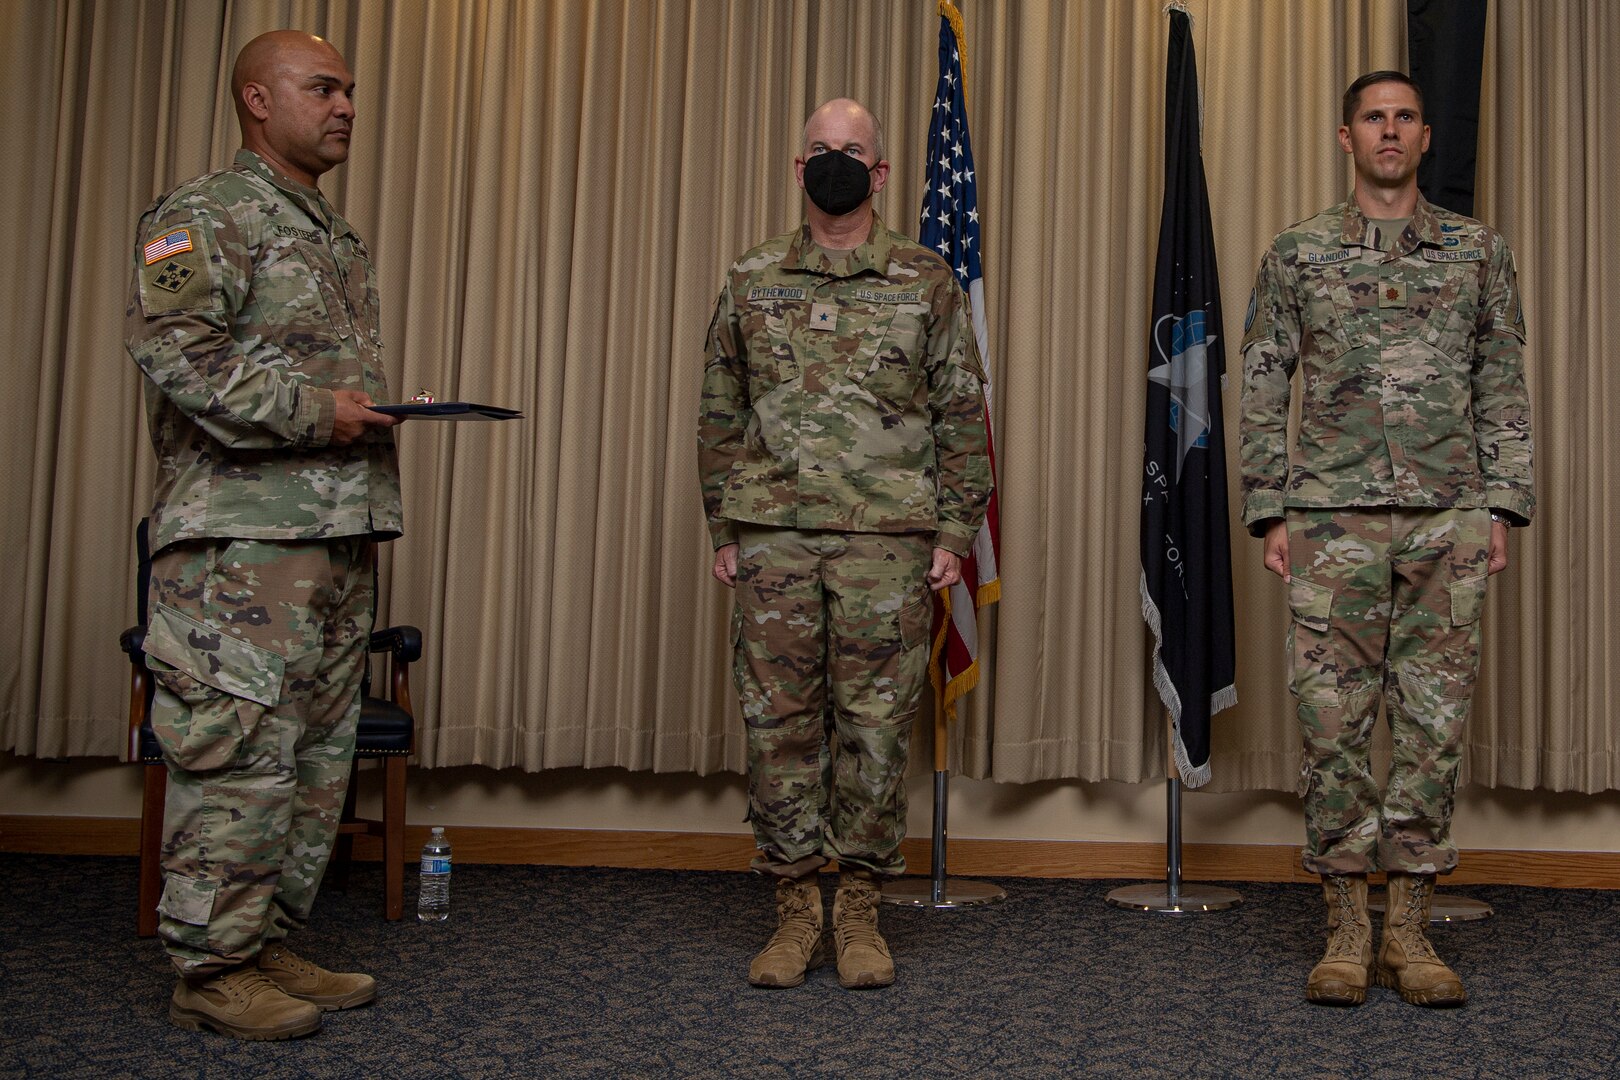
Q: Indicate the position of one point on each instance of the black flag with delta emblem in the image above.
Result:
(1186, 551)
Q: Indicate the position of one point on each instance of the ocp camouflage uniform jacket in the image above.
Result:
(252, 301)
(1413, 384)
(845, 398)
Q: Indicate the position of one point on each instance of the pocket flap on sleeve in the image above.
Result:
(1311, 604)
(212, 656)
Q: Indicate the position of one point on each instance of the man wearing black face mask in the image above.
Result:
(841, 446)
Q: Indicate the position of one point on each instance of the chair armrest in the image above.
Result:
(133, 642)
(405, 642)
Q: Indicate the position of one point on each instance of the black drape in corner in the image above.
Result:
(1446, 52)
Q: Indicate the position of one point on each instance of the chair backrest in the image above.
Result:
(365, 676)
(143, 744)
(143, 568)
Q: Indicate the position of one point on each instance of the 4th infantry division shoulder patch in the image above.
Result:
(179, 279)
(173, 276)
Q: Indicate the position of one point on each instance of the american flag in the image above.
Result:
(175, 242)
(950, 225)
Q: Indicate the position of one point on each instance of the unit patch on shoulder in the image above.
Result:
(173, 242)
(181, 280)
(173, 276)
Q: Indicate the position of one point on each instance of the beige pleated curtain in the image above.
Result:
(552, 190)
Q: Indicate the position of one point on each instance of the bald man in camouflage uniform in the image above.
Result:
(843, 461)
(253, 316)
(1413, 461)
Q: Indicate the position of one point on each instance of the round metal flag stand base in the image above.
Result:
(1189, 899)
(954, 893)
(1442, 909)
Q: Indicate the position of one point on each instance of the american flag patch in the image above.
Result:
(170, 243)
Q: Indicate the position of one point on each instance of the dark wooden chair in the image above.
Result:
(387, 731)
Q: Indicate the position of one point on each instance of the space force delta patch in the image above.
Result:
(776, 292)
(173, 242)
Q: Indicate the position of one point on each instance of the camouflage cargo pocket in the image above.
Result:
(188, 902)
(290, 299)
(212, 689)
(739, 654)
(363, 282)
(1453, 289)
(882, 366)
(329, 297)
(1314, 672)
(1461, 653)
(767, 328)
(1329, 309)
(916, 622)
(1468, 599)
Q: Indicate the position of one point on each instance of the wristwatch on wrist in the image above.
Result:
(1497, 515)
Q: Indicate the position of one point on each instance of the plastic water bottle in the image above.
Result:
(433, 898)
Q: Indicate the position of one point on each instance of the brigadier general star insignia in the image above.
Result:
(173, 276)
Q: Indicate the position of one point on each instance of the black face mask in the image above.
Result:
(837, 182)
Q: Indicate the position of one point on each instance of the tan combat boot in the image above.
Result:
(244, 1005)
(1342, 975)
(1407, 962)
(307, 981)
(796, 946)
(863, 955)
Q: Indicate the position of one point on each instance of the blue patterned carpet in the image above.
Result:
(547, 971)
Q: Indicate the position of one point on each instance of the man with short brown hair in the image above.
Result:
(1412, 462)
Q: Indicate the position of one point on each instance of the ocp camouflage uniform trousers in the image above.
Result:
(1386, 605)
(258, 649)
(831, 652)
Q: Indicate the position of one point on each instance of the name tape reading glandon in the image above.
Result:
(1328, 258)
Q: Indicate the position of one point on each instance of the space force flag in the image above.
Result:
(1186, 553)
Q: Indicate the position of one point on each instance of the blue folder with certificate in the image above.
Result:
(425, 407)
